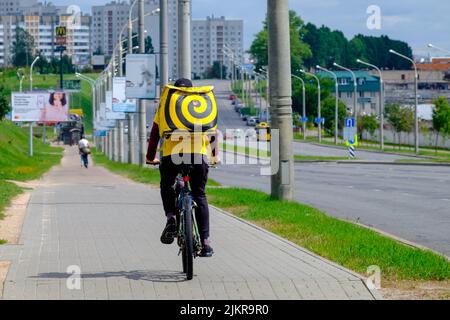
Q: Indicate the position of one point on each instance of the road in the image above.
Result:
(106, 229)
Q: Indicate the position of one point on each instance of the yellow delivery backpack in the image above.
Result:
(187, 109)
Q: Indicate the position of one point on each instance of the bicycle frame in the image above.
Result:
(184, 194)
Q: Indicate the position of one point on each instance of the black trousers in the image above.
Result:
(198, 178)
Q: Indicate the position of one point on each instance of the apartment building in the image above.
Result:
(15, 7)
(368, 91)
(42, 29)
(210, 36)
(107, 23)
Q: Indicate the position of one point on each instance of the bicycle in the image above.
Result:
(188, 236)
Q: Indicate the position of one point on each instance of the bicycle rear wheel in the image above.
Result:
(188, 248)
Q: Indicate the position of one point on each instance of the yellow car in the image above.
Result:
(263, 131)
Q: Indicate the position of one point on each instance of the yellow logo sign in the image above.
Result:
(61, 31)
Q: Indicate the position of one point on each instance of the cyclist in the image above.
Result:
(198, 177)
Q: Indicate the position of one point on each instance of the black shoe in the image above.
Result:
(170, 232)
(207, 252)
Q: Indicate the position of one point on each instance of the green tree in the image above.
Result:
(214, 71)
(22, 48)
(4, 103)
(299, 49)
(328, 112)
(368, 124)
(400, 118)
(441, 118)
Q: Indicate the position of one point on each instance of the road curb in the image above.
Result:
(371, 151)
(375, 293)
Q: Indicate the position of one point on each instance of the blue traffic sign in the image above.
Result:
(319, 120)
(350, 123)
(303, 119)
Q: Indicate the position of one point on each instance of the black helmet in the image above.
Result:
(183, 83)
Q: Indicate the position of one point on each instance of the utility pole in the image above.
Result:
(184, 39)
(164, 46)
(142, 111)
(281, 97)
(130, 116)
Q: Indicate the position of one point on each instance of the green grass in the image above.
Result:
(318, 158)
(349, 245)
(82, 100)
(134, 172)
(15, 164)
(442, 154)
(265, 154)
(8, 190)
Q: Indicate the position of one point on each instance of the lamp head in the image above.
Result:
(392, 51)
(430, 45)
(335, 64)
(359, 61)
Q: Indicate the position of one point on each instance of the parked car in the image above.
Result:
(251, 121)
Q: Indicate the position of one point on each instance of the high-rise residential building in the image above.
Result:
(42, 29)
(107, 23)
(209, 37)
(15, 7)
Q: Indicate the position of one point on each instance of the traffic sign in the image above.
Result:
(303, 119)
(319, 120)
(350, 123)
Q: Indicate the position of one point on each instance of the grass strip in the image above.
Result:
(15, 163)
(347, 244)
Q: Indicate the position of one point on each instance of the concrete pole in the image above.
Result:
(111, 147)
(381, 114)
(130, 116)
(416, 111)
(164, 43)
(281, 97)
(184, 39)
(142, 111)
(121, 145)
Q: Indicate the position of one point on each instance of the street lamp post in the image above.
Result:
(438, 48)
(336, 108)
(164, 44)
(416, 116)
(319, 114)
(30, 141)
(355, 91)
(184, 39)
(304, 104)
(381, 100)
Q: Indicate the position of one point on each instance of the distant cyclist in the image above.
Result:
(198, 177)
(84, 150)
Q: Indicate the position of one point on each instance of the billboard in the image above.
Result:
(141, 76)
(101, 123)
(109, 113)
(40, 107)
(119, 101)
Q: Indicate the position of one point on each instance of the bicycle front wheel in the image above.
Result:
(188, 249)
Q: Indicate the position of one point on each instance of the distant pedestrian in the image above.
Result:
(84, 148)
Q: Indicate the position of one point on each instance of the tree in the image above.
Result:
(401, 119)
(299, 49)
(22, 48)
(441, 118)
(368, 124)
(4, 103)
(214, 71)
(328, 112)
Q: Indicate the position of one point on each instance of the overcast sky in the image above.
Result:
(418, 22)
